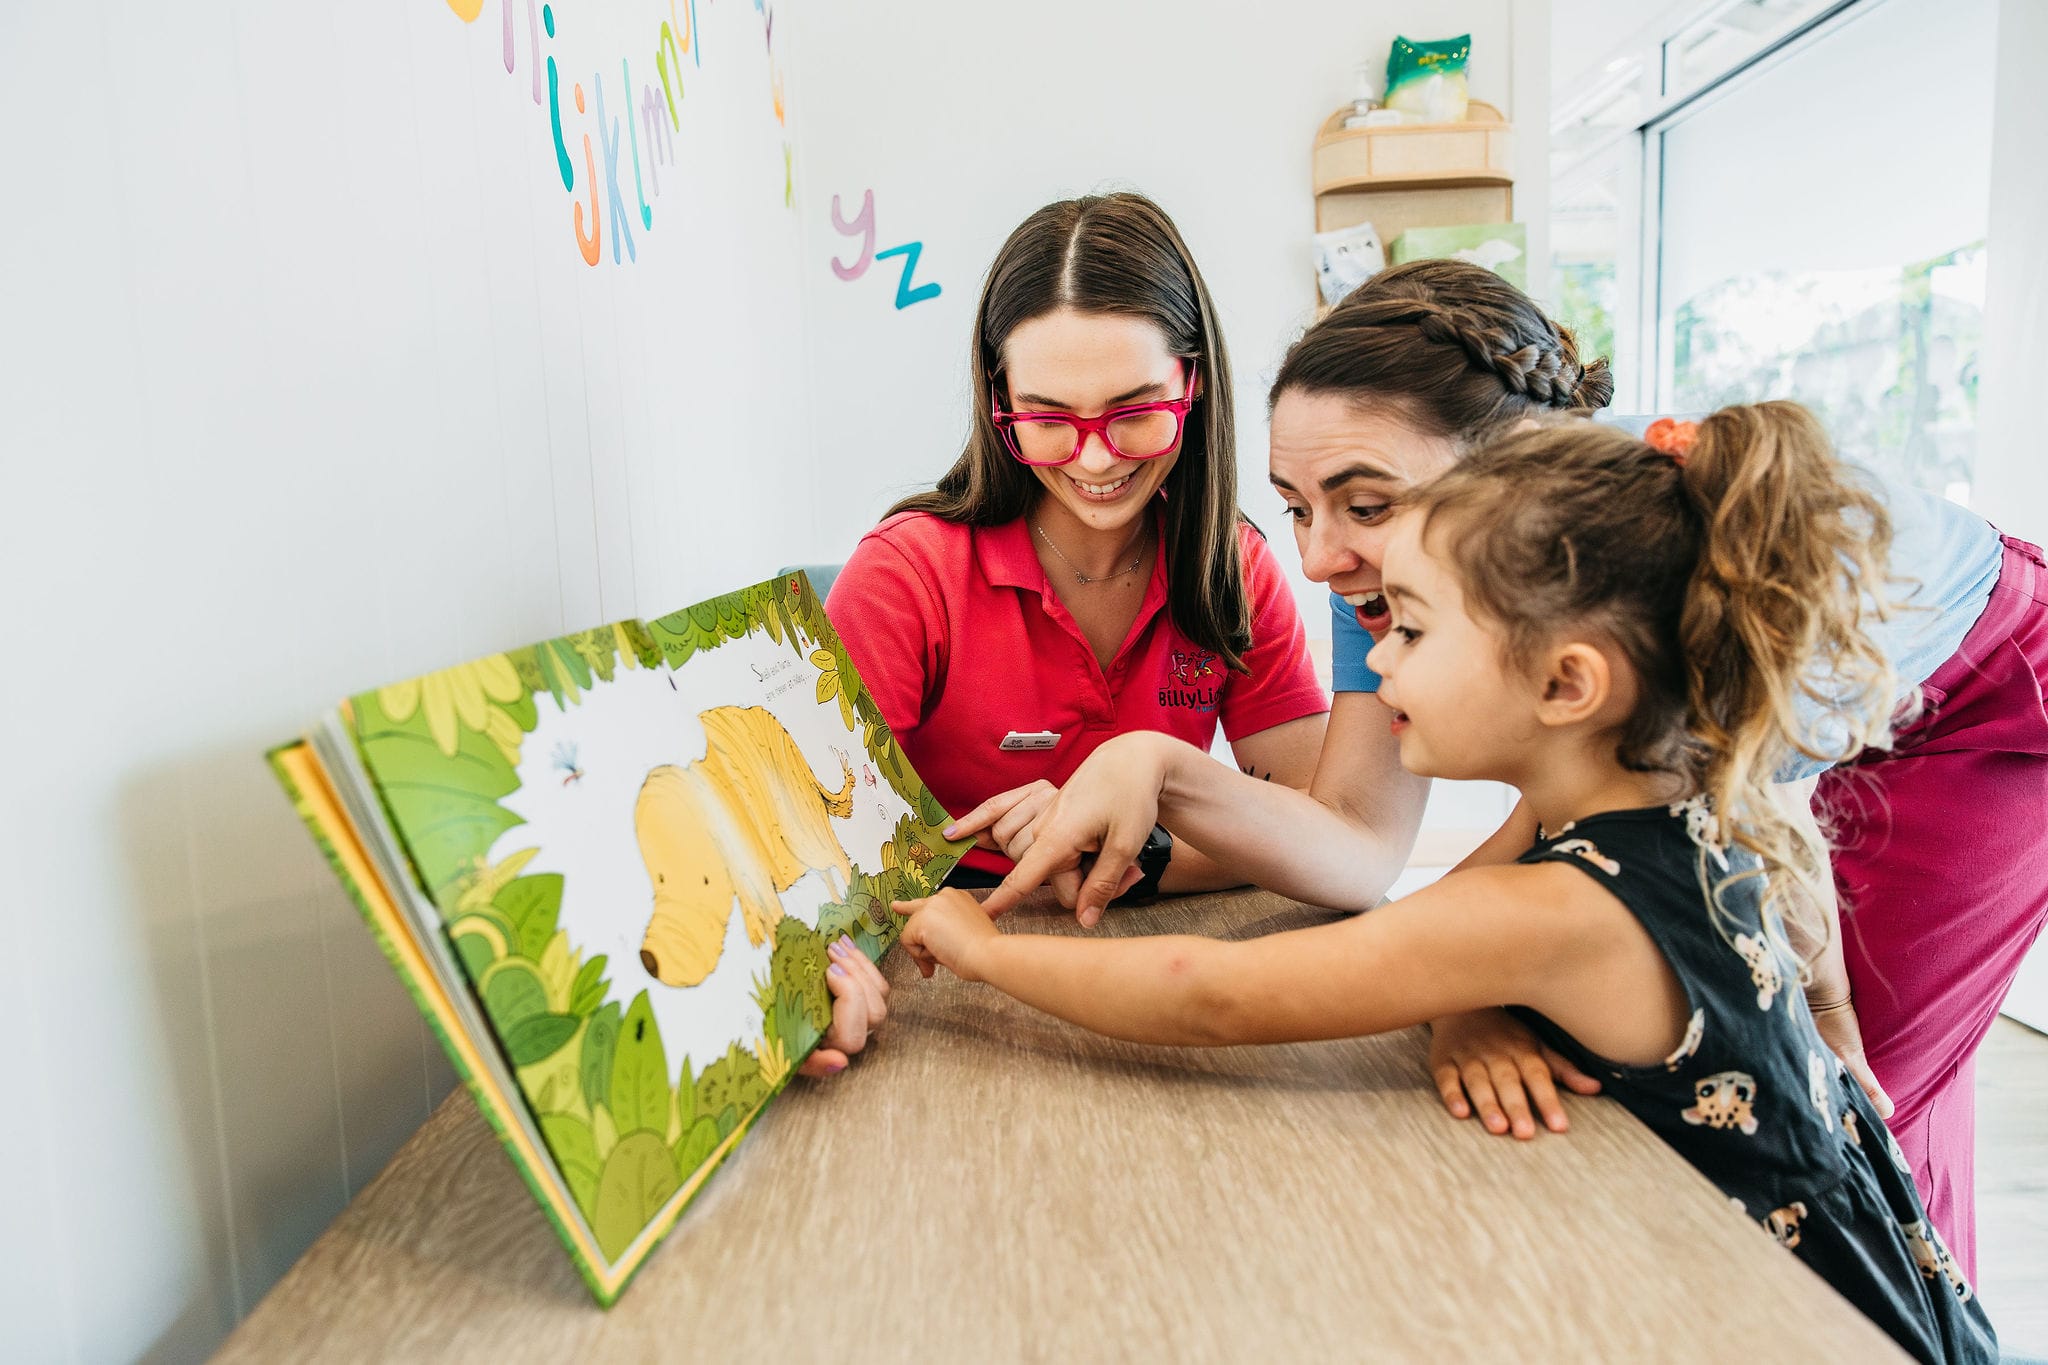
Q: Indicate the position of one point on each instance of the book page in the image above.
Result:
(640, 840)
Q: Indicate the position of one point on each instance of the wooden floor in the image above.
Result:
(2012, 1186)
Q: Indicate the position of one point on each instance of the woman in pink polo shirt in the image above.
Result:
(1082, 571)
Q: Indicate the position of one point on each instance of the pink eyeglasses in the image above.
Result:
(1142, 431)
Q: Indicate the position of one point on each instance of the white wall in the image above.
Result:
(1586, 34)
(963, 119)
(305, 386)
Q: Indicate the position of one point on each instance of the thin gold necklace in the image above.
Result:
(1080, 577)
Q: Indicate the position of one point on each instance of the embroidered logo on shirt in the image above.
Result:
(1188, 670)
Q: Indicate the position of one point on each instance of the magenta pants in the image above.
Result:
(1942, 865)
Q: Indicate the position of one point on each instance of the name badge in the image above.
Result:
(1030, 739)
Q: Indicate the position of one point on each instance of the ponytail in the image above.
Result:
(1777, 659)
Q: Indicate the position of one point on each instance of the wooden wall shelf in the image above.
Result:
(1414, 175)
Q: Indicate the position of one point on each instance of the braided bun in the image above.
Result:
(1489, 356)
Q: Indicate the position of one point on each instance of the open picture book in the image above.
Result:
(608, 866)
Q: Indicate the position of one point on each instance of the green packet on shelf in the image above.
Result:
(1426, 81)
(1502, 248)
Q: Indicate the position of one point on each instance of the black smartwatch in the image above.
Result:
(1153, 857)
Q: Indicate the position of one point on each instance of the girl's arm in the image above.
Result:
(1489, 1063)
(1544, 935)
(1342, 854)
(1282, 755)
(1339, 844)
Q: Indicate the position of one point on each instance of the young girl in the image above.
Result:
(1620, 632)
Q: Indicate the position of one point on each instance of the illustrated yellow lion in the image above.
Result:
(745, 822)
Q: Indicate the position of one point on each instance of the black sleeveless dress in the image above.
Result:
(1753, 1097)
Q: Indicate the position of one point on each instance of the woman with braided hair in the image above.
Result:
(1420, 366)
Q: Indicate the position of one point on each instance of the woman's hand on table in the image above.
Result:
(1007, 822)
(1002, 824)
(860, 1002)
(945, 929)
(1490, 1063)
(1107, 809)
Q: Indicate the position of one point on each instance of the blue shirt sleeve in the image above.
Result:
(1349, 644)
(1944, 563)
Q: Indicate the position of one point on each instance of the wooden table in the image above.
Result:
(988, 1184)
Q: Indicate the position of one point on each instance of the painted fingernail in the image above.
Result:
(948, 831)
(836, 969)
(836, 1068)
(835, 947)
(846, 942)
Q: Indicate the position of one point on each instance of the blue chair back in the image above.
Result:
(821, 575)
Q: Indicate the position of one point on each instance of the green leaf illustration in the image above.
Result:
(686, 1097)
(600, 1045)
(639, 1094)
(513, 993)
(539, 1037)
(695, 1146)
(589, 991)
(835, 918)
(447, 831)
(794, 1026)
(563, 671)
(732, 613)
(532, 904)
(928, 807)
(730, 1087)
(638, 1178)
(575, 1152)
(475, 952)
(526, 664)
(445, 806)
(598, 649)
(523, 713)
(641, 643)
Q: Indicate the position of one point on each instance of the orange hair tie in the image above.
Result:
(1672, 439)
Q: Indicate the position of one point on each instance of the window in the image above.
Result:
(1585, 245)
(1729, 34)
(1817, 240)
